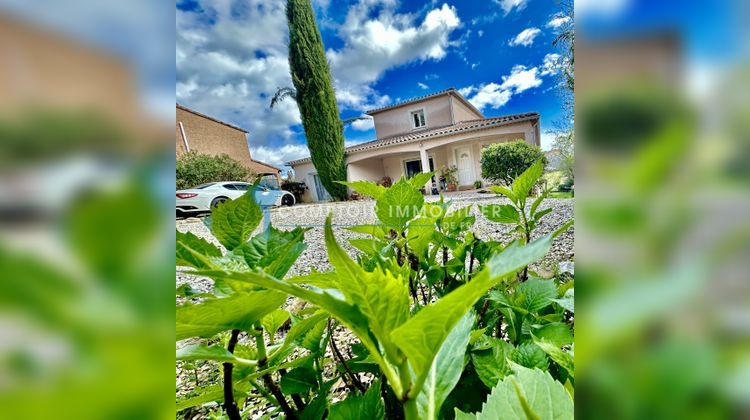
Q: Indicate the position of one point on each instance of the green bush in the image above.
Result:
(503, 162)
(194, 169)
(445, 319)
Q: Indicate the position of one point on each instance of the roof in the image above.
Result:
(461, 127)
(450, 91)
(211, 118)
(257, 162)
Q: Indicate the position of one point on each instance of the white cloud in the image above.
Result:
(280, 155)
(363, 124)
(373, 45)
(228, 72)
(491, 95)
(552, 63)
(495, 95)
(521, 79)
(509, 5)
(558, 21)
(480, 33)
(526, 37)
(422, 85)
(547, 140)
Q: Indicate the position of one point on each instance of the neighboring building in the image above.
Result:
(203, 134)
(424, 134)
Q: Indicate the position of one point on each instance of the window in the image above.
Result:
(230, 187)
(242, 187)
(418, 119)
(414, 167)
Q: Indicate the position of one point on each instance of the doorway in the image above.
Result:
(465, 165)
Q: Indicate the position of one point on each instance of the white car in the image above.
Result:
(205, 197)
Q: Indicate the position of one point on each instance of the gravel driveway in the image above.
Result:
(362, 212)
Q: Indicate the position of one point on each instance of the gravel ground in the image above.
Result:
(355, 213)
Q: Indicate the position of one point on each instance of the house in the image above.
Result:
(424, 134)
(203, 134)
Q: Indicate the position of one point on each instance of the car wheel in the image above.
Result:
(216, 201)
(287, 200)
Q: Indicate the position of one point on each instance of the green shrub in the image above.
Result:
(503, 162)
(438, 311)
(194, 169)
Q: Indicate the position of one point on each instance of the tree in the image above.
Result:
(503, 162)
(315, 97)
(194, 169)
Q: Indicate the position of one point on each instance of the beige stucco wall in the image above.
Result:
(462, 112)
(437, 113)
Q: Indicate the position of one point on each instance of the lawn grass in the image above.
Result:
(560, 194)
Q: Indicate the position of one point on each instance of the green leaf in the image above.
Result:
(316, 409)
(203, 352)
(233, 222)
(535, 294)
(213, 316)
(446, 369)
(491, 364)
(312, 339)
(212, 393)
(367, 245)
(500, 190)
(530, 355)
(372, 230)
(331, 301)
(556, 332)
(418, 180)
(367, 406)
(527, 394)
(538, 201)
(422, 336)
(299, 381)
(399, 204)
(275, 251)
(567, 302)
(367, 188)
(381, 297)
(557, 354)
(459, 220)
(322, 280)
(274, 320)
(523, 184)
(542, 213)
(501, 213)
(420, 234)
(193, 251)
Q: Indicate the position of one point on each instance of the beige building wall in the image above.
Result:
(461, 112)
(211, 137)
(437, 113)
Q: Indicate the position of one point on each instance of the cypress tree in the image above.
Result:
(315, 97)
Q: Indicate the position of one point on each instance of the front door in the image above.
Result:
(320, 190)
(465, 166)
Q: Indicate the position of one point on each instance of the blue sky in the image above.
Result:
(231, 57)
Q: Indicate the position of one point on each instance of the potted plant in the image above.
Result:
(449, 174)
(477, 184)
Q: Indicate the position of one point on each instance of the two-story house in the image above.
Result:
(423, 134)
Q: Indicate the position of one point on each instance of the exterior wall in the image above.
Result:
(437, 113)
(210, 137)
(304, 173)
(462, 112)
(367, 170)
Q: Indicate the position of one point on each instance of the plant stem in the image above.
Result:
(260, 345)
(230, 406)
(337, 354)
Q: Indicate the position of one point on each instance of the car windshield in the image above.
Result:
(270, 182)
(202, 186)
